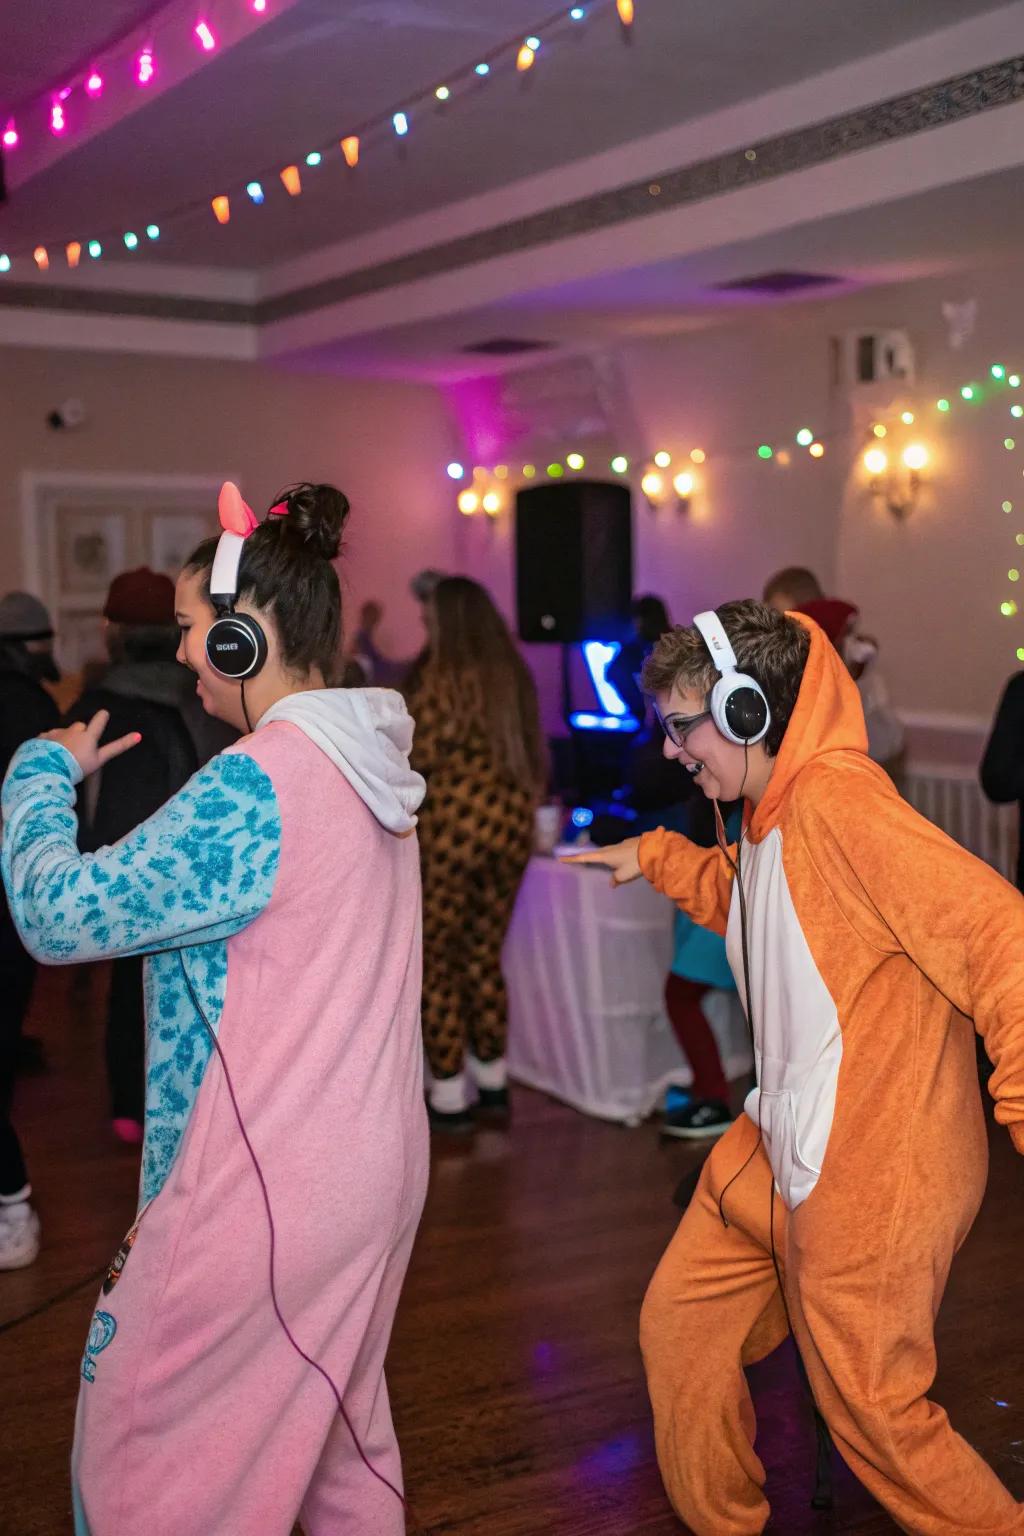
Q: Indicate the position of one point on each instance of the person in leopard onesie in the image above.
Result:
(478, 744)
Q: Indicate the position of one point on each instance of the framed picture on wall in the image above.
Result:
(173, 535)
(91, 548)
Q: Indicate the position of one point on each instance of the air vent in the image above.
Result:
(778, 282)
(507, 346)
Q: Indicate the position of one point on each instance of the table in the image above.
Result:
(585, 966)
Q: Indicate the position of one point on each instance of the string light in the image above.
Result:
(534, 43)
(491, 503)
(350, 149)
(683, 485)
(620, 464)
(915, 457)
(805, 437)
(525, 58)
(663, 459)
(292, 180)
(482, 69)
(41, 258)
(442, 93)
(817, 450)
(144, 67)
(1013, 574)
(73, 252)
(1008, 609)
(95, 249)
(221, 209)
(1017, 411)
(765, 452)
(11, 134)
(968, 391)
(574, 461)
(529, 471)
(314, 158)
(879, 430)
(255, 191)
(501, 472)
(152, 231)
(627, 11)
(907, 418)
(876, 461)
(206, 38)
(942, 405)
(259, 6)
(998, 371)
(555, 471)
(1009, 444)
(697, 455)
(652, 484)
(468, 503)
(401, 124)
(58, 121)
(131, 240)
(5, 263)
(577, 13)
(455, 470)
(94, 84)
(1014, 381)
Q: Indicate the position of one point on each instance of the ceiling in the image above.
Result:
(321, 68)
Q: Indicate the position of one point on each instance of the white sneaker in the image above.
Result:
(19, 1235)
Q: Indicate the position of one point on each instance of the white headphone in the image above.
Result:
(737, 704)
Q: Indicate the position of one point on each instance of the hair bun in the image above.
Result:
(316, 516)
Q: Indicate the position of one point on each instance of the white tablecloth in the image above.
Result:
(586, 967)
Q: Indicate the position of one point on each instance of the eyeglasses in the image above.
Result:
(679, 728)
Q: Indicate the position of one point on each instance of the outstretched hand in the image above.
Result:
(623, 859)
(83, 742)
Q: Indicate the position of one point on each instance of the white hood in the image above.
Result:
(367, 734)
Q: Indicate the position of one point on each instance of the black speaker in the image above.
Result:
(574, 561)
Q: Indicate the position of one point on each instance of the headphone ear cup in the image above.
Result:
(236, 647)
(740, 710)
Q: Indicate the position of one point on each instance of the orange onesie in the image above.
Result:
(873, 941)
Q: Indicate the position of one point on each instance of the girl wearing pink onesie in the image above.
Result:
(277, 900)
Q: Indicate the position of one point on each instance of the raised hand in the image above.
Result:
(83, 742)
(623, 859)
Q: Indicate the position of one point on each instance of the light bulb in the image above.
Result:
(314, 157)
(442, 93)
(469, 502)
(663, 459)
(5, 262)
(765, 452)
(291, 180)
(41, 257)
(73, 252)
(805, 437)
(259, 6)
(131, 240)
(501, 471)
(482, 69)
(145, 68)
(206, 38)
(915, 457)
(255, 191)
(942, 405)
(221, 209)
(491, 503)
(907, 418)
(94, 84)
(577, 13)
(626, 10)
(697, 455)
(525, 58)
(879, 430)
(58, 122)
(876, 461)
(455, 470)
(533, 42)
(401, 124)
(95, 249)
(817, 450)
(967, 391)
(152, 231)
(997, 371)
(11, 134)
(555, 471)
(683, 485)
(575, 461)
(619, 464)
(652, 484)
(529, 471)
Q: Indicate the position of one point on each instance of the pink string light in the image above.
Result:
(144, 67)
(205, 36)
(58, 122)
(10, 135)
(94, 84)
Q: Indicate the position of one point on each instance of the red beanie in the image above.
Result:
(831, 613)
(140, 597)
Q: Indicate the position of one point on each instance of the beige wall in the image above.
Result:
(385, 444)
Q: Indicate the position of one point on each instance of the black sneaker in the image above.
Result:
(699, 1121)
(493, 1103)
(451, 1122)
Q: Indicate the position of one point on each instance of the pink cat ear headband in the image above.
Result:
(238, 521)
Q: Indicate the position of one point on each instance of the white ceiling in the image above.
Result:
(322, 67)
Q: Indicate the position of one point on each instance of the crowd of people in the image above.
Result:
(320, 879)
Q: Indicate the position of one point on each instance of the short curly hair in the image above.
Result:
(769, 646)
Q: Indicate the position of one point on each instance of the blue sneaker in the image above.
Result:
(676, 1098)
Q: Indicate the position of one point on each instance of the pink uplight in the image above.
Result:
(10, 135)
(259, 6)
(144, 68)
(205, 36)
(58, 122)
(94, 84)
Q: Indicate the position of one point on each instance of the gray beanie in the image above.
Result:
(24, 617)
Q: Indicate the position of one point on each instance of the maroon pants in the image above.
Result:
(697, 1043)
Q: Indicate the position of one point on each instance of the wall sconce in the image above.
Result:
(899, 487)
(658, 490)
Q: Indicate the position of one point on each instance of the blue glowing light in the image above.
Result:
(582, 816)
(599, 655)
(584, 720)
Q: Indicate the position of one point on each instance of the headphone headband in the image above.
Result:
(712, 632)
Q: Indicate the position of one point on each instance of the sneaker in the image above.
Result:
(451, 1122)
(699, 1121)
(676, 1098)
(493, 1103)
(19, 1235)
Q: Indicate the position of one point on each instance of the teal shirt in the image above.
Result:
(699, 953)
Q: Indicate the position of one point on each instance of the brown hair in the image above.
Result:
(797, 582)
(486, 680)
(769, 647)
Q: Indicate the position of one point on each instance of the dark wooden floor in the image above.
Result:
(514, 1373)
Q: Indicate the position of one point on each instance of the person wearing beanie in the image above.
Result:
(840, 621)
(26, 710)
(382, 671)
(146, 690)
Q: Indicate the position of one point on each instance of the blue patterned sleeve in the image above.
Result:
(199, 870)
